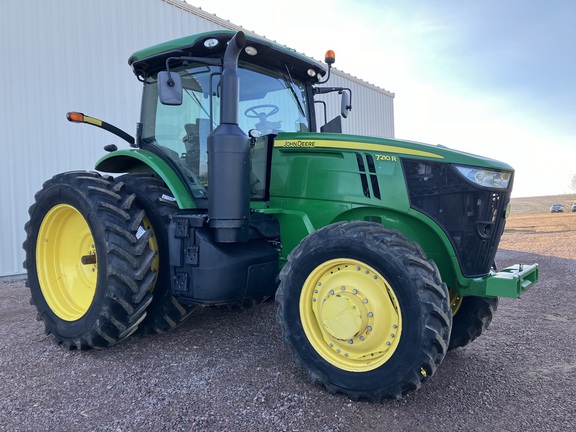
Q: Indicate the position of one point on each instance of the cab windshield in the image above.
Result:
(270, 101)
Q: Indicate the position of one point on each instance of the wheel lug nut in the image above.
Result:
(355, 291)
(342, 288)
(361, 338)
(370, 314)
(331, 292)
(395, 326)
(369, 328)
(392, 335)
(319, 284)
(365, 300)
(388, 343)
(350, 341)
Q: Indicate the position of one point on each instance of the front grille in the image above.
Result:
(472, 217)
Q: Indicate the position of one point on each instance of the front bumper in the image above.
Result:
(510, 282)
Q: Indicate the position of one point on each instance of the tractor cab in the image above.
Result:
(270, 101)
(183, 98)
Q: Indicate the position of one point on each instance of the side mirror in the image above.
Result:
(169, 88)
(345, 106)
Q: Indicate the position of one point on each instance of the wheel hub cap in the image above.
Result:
(343, 316)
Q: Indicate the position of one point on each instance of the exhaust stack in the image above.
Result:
(229, 158)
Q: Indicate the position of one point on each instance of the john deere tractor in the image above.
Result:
(380, 252)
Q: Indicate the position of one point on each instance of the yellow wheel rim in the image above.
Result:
(350, 315)
(66, 262)
(152, 244)
(455, 301)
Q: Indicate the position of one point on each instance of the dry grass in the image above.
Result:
(532, 228)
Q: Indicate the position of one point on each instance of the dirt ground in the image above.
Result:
(228, 370)
(552, 234)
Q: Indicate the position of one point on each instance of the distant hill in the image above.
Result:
(541, 204)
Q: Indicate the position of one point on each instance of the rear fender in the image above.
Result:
(143, 161)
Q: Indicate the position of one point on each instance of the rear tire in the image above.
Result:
(88, 260)
(472, 317)
(363, 311)
(152, 194)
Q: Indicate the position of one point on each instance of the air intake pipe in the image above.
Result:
(229, 158)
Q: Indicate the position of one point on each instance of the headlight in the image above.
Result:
(485, 178)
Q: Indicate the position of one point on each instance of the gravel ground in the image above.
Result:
(229, 370)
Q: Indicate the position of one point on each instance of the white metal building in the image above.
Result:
(60, 56)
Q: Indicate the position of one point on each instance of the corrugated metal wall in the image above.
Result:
(59, 56)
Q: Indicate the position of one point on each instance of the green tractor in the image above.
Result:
(380, 252)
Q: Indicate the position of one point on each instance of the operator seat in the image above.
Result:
(195, 141)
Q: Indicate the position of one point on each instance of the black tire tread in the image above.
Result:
(165, 312)
(471, 320)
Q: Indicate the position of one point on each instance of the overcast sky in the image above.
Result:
(491, 77)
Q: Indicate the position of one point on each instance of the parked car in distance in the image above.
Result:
(557, 208)
(574, 207)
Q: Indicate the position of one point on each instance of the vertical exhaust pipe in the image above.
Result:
(229, 158)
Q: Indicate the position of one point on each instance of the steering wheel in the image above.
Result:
(270, 110)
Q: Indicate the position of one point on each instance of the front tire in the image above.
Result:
(88, 260)
(363, 311)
